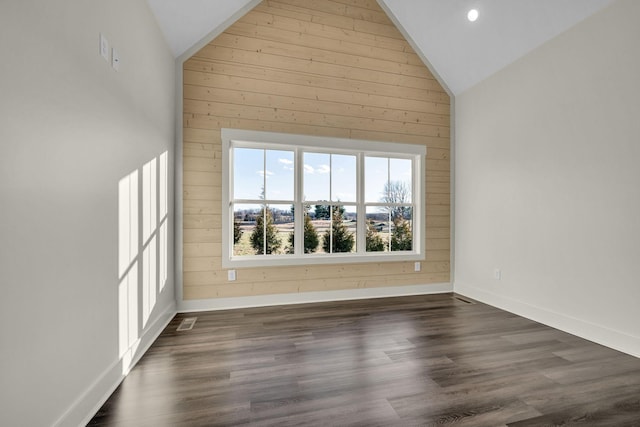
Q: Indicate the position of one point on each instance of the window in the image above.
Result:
(293, 199)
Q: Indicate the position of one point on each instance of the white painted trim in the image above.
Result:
(590, 331)
(240, 262)
(89, 402)
(359, 148)
(311, 297)
(93, 398)
(178, 188)
(332, 144)
(452, 188)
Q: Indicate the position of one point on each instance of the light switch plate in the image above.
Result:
(231, 275)
(104, 47)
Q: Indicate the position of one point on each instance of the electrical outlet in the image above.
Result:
(497, 274)
(231, 275)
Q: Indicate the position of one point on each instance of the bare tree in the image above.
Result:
(396, 192)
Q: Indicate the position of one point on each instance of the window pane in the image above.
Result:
(324, 182)
(316, 176)
(311, 233)
(321, 219)
(340, 235)
(248, 173)
(279, 175)
(400, 174)
(376, 173)
(280, 230)
(343, 178)
(244, 222)
(377, 238)
(270, 232)
(402, 230)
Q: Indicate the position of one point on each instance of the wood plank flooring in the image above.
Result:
(408, 361)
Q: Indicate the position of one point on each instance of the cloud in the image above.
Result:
(323, 169)
(262, 173)
(286, 164)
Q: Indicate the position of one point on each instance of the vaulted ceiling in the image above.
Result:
(461, 52)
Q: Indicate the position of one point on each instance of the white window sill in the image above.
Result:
(315, 259)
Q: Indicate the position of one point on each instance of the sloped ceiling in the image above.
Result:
(186, 22)
(462, 53)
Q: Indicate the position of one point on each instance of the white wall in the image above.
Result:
(548, 182)
(70, 129)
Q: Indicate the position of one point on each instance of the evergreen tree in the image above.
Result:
(401, 237)
(311, 238)
(237, 232)
(261, 229)
(323, 211)
(373, 240)
(338, 234)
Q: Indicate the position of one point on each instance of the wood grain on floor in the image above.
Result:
(420, 360)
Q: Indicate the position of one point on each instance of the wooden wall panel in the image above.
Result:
(319, 67)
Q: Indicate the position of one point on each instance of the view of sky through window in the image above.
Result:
(263, 174)
(269, 174)
(292, 201)
(381, 170)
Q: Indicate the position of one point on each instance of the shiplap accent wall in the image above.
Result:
(316, 67)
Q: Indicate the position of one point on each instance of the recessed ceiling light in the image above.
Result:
(472, 15)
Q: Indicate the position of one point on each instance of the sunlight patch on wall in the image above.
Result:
(128, 229)
(128, 317)
(127, 222)
(149, 230)
(142, 251)
(163, 214)
(149, 199)
(163, 259)
(149, 280)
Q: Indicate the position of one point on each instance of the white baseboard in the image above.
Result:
(616, 340)
(89, 402)
(309, 297)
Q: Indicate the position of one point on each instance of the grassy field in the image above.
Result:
(243, 247)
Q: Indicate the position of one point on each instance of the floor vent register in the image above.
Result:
(187, 324)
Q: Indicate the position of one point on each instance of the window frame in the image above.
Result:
(299, 144)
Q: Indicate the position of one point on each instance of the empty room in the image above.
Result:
(320, 212)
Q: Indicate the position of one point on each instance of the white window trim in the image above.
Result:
(273, 140)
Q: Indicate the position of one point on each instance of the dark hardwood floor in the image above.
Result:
(409, 361)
